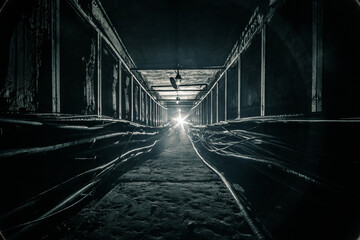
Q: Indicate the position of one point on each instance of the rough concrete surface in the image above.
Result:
(173, 196)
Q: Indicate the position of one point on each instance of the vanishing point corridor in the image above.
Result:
(191, 119)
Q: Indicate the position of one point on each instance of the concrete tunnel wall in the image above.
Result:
(298, 59)
(64, 57)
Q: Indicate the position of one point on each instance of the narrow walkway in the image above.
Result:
(173, 196)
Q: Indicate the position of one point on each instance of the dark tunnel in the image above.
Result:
(192, 119)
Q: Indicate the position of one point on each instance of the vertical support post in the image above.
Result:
(201, 107)
(208, 110)
(217, 102)
(99, 80)
(202, 113)
(146, 109)
(263, 51)
(150, 111)
(203, 119)
(153, 112)
(239, 87)
(55, 55)
(211, 107)
(226, 95)
(140, 104)
(317, 56)
(198, 116)
(156, 114)
(120, 90)
(132, 98)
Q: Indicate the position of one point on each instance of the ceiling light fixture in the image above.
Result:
(175, 82)
(178, 78)
(177, 100)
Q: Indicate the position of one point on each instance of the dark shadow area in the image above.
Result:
(71, 163)
(298, 178)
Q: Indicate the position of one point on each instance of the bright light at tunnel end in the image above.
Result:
(180, 120)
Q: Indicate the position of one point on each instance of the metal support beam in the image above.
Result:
(207, 109)
(317, 56)
(140, 105)
(180, 68)
(150, 112)
(200, 114)
(211, 107)
(185, 90)
(99, 80)
(55, 55)
(146, 110)
(132, 98)
(217, 102)
(120, 90)
(226, 94)
(239, 88)
(197, 115)
(263, 51)
(182, 85)
(156, 114)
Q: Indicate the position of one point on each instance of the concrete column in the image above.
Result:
(99, 80)
(132, 98)
(263, 51)
(317, 56)
(55, 55)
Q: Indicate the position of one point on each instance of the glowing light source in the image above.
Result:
(180, 120)
(177, 100)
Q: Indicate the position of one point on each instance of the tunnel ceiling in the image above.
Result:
(162, 35)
